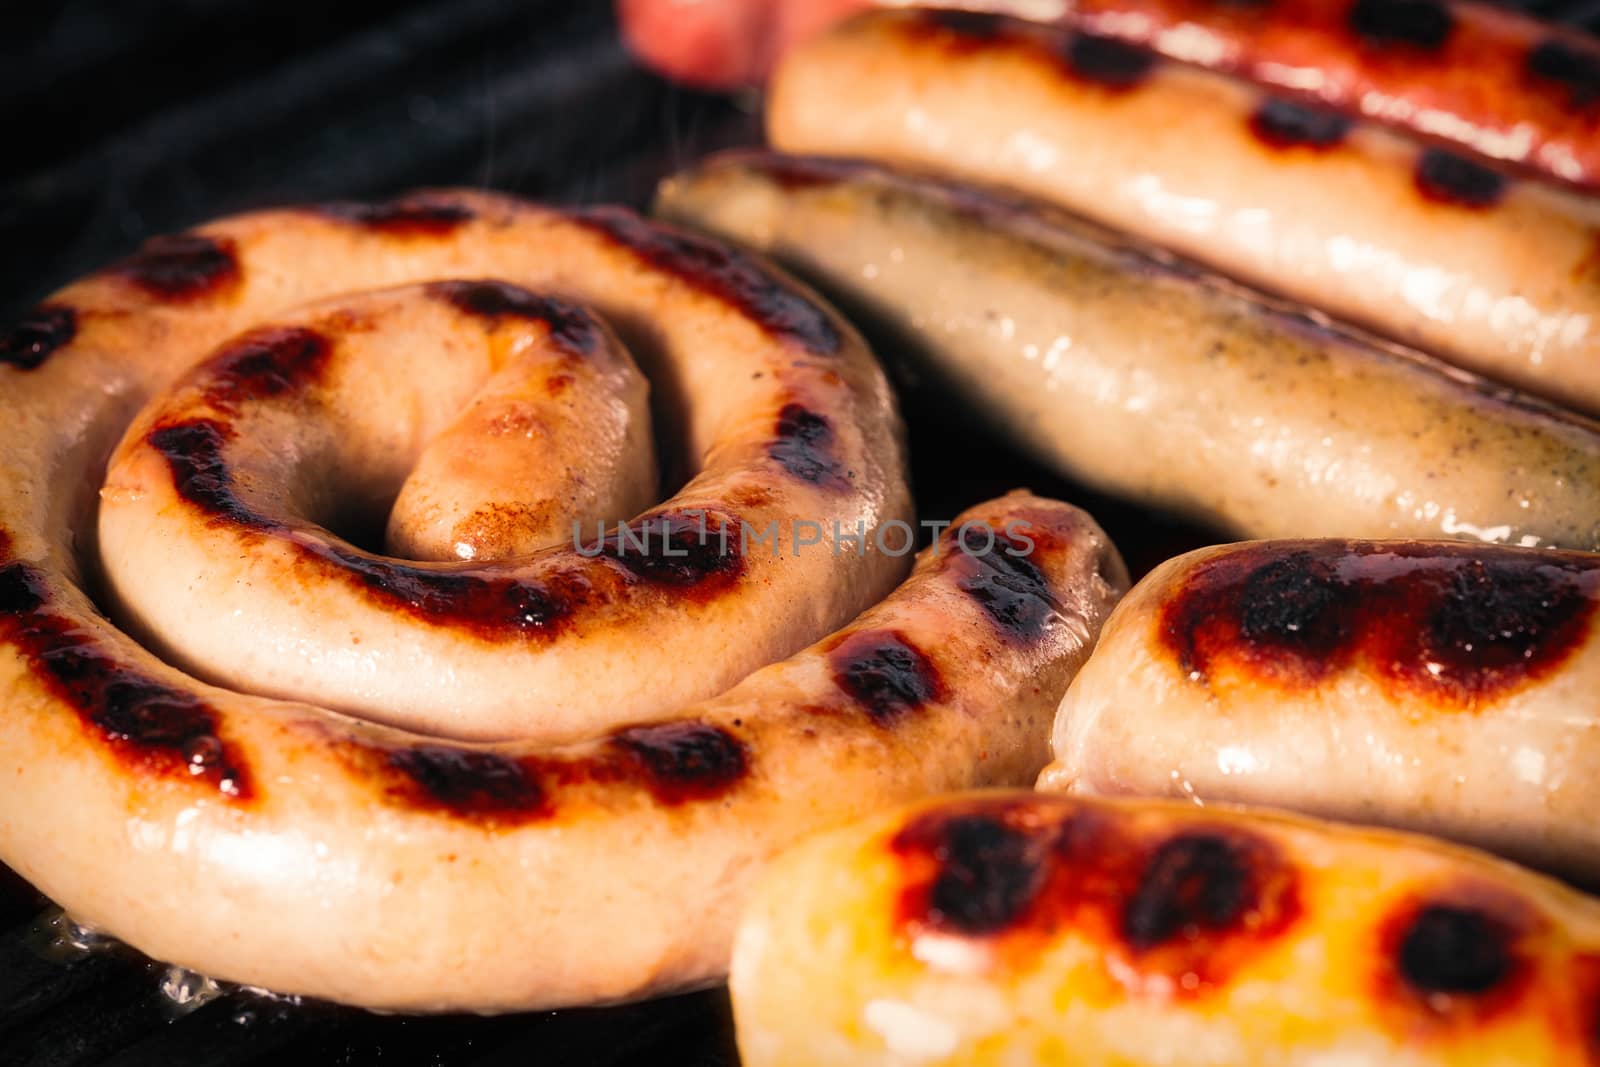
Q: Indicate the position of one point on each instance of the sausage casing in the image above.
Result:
(1430, 686)
(1143, 379)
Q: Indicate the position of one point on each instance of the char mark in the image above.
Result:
(684, 761)
(265, 363)
(488, 606)
(985, 876)
(998, 574)
(1447, 178)
(980, 25)
(1283, 124)
(805, 448)
(182, 266)
(32, 339)
(1108, 62)
(683, 551)
(1577, 69)
(149, 726)
(1424, 24)
(195, 454)
(1197, 882)
(733, 277)
(1447, 949)
(412, 216)
(470, 783)
(571, 327)
(1458, 624)
(885, 674)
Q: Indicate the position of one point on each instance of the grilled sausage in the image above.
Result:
(1428, 248)
(1015, 928)
(1493, 81)
(1424, 685)
(212, 538)
(1143, 379)
(284, 845)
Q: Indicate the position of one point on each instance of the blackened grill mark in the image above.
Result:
(1457, 624)
(1493, 613)
(1109, 62)
(1578, 70)
(151, 727)
(415, 216)
(471, 783)
(181, 266)
(1425, 24)
(675, 763)
(22, 591)
(982, 25)
(1455, 958)
(1448, 949)
(1284, 124)
(264, 363)
(1451, 179)
(885, 674)
(571, 327)
(194, 451)
(1200, 903)
(38, 334)
(678, 550)
(986, 873)
(1001, 578)
(1297, 606)
(489, 606)
(722, 272)
(1194, 882)
(684, 761)
(1187, 909)
(804, 448)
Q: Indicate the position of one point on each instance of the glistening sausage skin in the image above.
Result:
(1148, 380)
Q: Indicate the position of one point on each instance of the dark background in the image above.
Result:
(125, 119)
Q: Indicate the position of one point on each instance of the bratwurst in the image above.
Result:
(1143, 378)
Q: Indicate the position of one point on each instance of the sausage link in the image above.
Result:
(1431, 249)
(1424, 685)
(1490, 80)
(1142, 378)
(1015, 928)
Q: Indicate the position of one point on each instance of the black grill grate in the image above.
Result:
(129, 119)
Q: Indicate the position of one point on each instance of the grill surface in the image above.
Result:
(145, 116)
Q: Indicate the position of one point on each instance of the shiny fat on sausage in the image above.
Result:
(1499, 275)
(1009, 928)
(1431, 686)
(1142, 378)
(282, 844)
